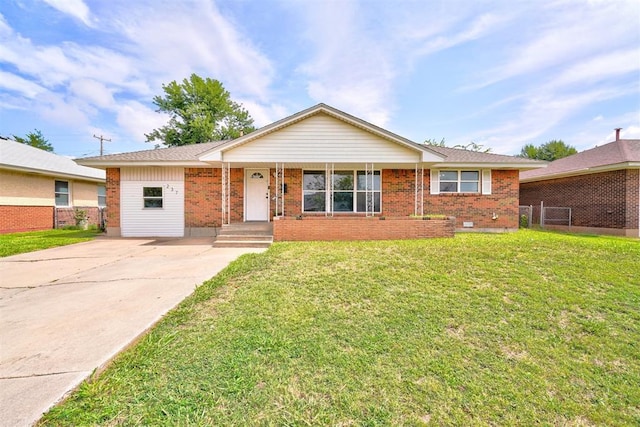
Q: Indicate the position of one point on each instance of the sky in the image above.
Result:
(499, 73)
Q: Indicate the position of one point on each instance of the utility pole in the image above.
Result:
(101, 138)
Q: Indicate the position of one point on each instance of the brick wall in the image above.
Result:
(478, 208)
(632, 190)
(14, 219)
(293, 197)
(603, 200)
(202, 197)
(359, 228)
(67, 216)
(236, 178)
(398, 199)
(113, 197)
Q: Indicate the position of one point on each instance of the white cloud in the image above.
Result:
(538, 115)
(351, 67)
(16, 83)
(599, 67)
(93, 92)
(264, 114)
(136, 119)
(179, 38)
(631, 132)
(76, 8)
(484, 24)
(563, 32)
(56, 109)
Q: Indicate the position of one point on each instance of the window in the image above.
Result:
(62, 193)
(459, 181)
(349, 191)
(152, 197)
(102, 196)
(314, 191)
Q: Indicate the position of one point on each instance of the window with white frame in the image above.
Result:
(62, 193)
(152, 197)
(102, 196)
(459, 181)
(350, 189)
(451, 181)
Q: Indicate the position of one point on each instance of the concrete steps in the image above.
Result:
(245, 235)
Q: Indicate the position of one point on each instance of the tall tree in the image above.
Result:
(35, 139)
(200, 110)
(551, 150)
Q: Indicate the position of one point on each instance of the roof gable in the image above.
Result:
(338, 123)
(23, 157)
(312, 138)
(620, 154)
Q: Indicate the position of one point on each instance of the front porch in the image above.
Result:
(322, 228)
(302, 228)
(245, 235)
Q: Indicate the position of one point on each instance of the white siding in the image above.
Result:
(136, 221)
(486, 181)
(435, 181)
(322, 138)
(152, 174)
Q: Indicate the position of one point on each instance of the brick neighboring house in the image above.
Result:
(40, 188)
(600, 185)
(318, 174)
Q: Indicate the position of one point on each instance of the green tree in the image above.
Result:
(200, 110)
(473, 146)
(35, 139)
(435, 143)
(549, 151)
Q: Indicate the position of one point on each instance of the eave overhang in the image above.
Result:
(584, 171)
(53, 174)
(100, 164)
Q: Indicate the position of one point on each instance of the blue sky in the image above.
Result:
(499, 73)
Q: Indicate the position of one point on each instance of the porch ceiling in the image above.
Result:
(319, 165)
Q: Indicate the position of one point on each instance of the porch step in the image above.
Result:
(245, 235)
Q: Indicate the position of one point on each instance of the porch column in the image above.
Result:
(279, 189)
(226, 193)
(419, 191)
(329, 170)
(369, 189)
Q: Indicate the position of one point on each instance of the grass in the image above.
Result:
(18, 243)
(510, 329)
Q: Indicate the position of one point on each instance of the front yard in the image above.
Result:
(524, 328)
(18, 243)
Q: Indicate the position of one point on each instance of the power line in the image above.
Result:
(101, 138)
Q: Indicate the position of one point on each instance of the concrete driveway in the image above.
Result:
(65, 312)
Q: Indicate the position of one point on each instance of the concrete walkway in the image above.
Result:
(65, 312)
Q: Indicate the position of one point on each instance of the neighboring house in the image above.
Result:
(40, 189)
(321, 165)
(600, 185)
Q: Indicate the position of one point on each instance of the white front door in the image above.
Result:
(257, 195)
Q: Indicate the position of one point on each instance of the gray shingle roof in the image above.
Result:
(458, 155)
(185, 153)
(619, 152)
(17, 156)
(192, 153)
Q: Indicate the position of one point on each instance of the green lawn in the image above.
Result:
(18, 243)
(510, 329)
